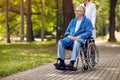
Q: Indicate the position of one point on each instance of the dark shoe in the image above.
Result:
(71, 67)
(60, 65)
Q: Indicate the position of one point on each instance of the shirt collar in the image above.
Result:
(80, 19)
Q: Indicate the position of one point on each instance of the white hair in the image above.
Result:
(82, 8)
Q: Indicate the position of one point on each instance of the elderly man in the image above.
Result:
(90, 13)
(78, 30)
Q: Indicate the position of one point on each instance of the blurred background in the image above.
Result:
(30, 20)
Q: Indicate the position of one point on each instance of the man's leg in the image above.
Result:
(60, 65)
(61, 50)
(75, 51)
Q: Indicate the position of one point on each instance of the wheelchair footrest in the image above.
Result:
(71, 69)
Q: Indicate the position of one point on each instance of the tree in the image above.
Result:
(42, 19)
(22, 20)
(6, 21)
(68, 12)
(64, 13)
(29, 23)
(57, 32)
(112, 21)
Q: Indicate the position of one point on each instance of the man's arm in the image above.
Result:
(88, 32)
(73, 38)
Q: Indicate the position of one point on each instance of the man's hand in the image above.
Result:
(73, 38)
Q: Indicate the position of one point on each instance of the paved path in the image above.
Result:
(108, 68)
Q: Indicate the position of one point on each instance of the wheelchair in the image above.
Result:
(88, 56)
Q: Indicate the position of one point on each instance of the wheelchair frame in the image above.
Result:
(86, 56)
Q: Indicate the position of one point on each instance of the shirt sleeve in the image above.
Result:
(67, 32)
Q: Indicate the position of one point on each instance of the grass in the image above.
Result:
(22, 56)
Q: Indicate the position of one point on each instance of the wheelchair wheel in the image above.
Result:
(84, 64)
(92, 55)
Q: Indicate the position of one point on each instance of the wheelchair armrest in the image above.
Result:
(88, 40)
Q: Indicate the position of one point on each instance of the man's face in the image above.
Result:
(85, 1)
(79, 12)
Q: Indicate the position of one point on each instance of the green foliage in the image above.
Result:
(50, 15)
(118, 15)
(14, 17)
(77, 2)
(102, 21)
(102, 17)
(19, 57)
(2, 26)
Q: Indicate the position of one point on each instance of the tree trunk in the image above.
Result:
(29, 23)
(6, 22)
(22, 20)
(42, 19)
(68, 12)
(57, 31)
(112, 21)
